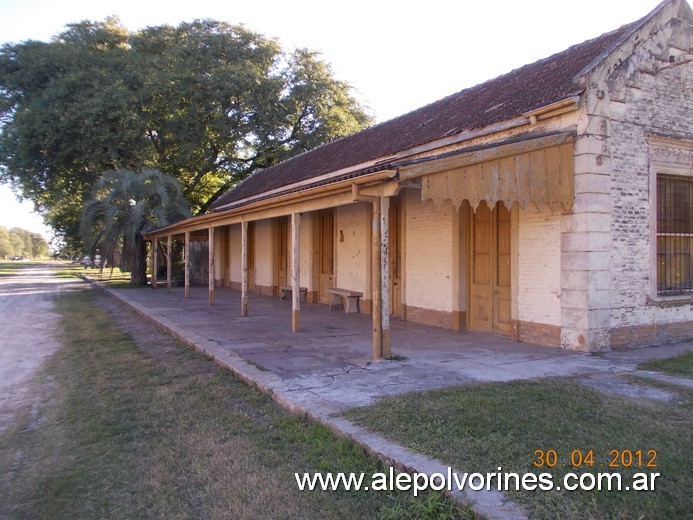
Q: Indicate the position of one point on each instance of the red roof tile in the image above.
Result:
(539, 84)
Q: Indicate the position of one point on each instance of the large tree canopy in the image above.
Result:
(205, 102)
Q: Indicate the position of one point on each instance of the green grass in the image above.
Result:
(116, 278)
(10, 268)
(478, 428)
(135, 425)
(681, 365)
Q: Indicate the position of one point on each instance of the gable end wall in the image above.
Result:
(648, 95)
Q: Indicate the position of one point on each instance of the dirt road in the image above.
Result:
(27, 326)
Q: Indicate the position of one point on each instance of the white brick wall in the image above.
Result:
(264, 253)
(539, 267)
(428, 242)
(351, 247)
(642, 103)
(235, 254)
(307, 251)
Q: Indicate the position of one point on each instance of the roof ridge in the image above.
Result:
(633, 27)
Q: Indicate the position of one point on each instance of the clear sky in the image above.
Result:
(398, 55)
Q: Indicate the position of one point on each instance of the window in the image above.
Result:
(674, 235)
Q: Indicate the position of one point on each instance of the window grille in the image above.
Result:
(674, 235)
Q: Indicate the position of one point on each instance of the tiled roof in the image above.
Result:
(536, 85)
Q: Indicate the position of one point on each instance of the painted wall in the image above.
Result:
(308, 252)
(352, 248)
(264, 256)
(428, 261)
(539, 266)
(235, 255)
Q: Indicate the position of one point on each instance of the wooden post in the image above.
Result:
(169, 263)
(295, 273)
(376, 284)
(244, 268)
(211, 265)
(186, 256)
(385, 273)
(379, 287)
(155, 261)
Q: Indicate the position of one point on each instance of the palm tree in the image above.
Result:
(124, 206)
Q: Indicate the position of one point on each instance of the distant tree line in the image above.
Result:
(20, 242)
(205, 102)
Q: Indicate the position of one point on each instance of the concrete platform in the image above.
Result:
(331, 358)
(327, 367)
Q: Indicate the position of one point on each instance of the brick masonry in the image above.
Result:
(651, 93)
(428, 260)
(643, 88)
(539, 267)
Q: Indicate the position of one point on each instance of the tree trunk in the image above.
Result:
(138, 275)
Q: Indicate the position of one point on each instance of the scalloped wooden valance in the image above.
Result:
(537, 171)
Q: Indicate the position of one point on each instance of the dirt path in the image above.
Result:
(27, 326)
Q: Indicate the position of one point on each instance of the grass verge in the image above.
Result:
(135, 425)
(10, 268)
(479, 428)
(115, 278)
(681, 365)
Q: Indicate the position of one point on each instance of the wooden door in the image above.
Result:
(282, 239)
(489, 288)
(395, 228)
(326, 254)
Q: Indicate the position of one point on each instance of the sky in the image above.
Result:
(397, 55)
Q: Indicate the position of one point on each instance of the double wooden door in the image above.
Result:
(490, 276)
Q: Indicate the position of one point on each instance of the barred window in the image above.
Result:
(674, 235)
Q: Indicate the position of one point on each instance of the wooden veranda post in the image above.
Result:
(295, 273)
(155, 261)
(169, 263)
(376, 283)
(186, 256)
(244, 268)
(376, 271)
(385, 275)
(211, 266)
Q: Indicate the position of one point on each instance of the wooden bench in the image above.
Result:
(286, 290)
(346, 299)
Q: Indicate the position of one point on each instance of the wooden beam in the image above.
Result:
(303, 202)
(155, 258)
(479, 154)
(385, 275)
(244, 268)
(295, 273)
(186, 253)
(211, 266)
(169, 263)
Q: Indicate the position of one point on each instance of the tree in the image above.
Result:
(20, 242)
(6, 249)
(126, 204)
(205, 102)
